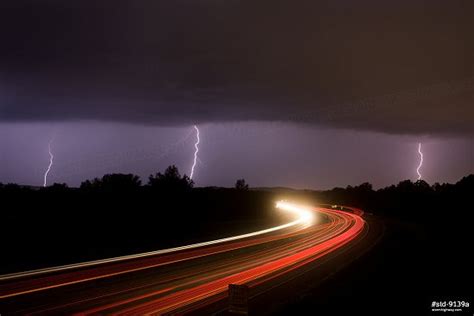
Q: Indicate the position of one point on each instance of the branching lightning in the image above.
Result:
(421, 161)
(195, 152)
(51, 157)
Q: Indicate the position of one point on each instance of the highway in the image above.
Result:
(187, 278)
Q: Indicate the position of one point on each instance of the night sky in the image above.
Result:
(307, 94)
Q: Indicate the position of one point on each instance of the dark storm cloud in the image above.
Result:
(391, 66)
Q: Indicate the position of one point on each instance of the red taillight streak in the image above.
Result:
(200, 292)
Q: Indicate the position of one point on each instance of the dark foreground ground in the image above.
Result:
(41, 230)
(402, 274)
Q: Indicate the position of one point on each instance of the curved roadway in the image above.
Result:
(186, 278)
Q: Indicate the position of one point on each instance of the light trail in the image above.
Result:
(194, 275)
(305, 214)
(51, 157)
(304, 217)
(195, 152)
(421, 162)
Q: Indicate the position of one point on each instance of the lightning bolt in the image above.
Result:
(195, 152)
(421, 161)
(51, 157)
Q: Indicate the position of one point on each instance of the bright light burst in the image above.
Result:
(421, 162)
(195, 152)
(51, 157)
(304, 213)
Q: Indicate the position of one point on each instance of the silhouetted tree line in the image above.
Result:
(406, 199)
(169, 181)
(166, 197)
(411, 200)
